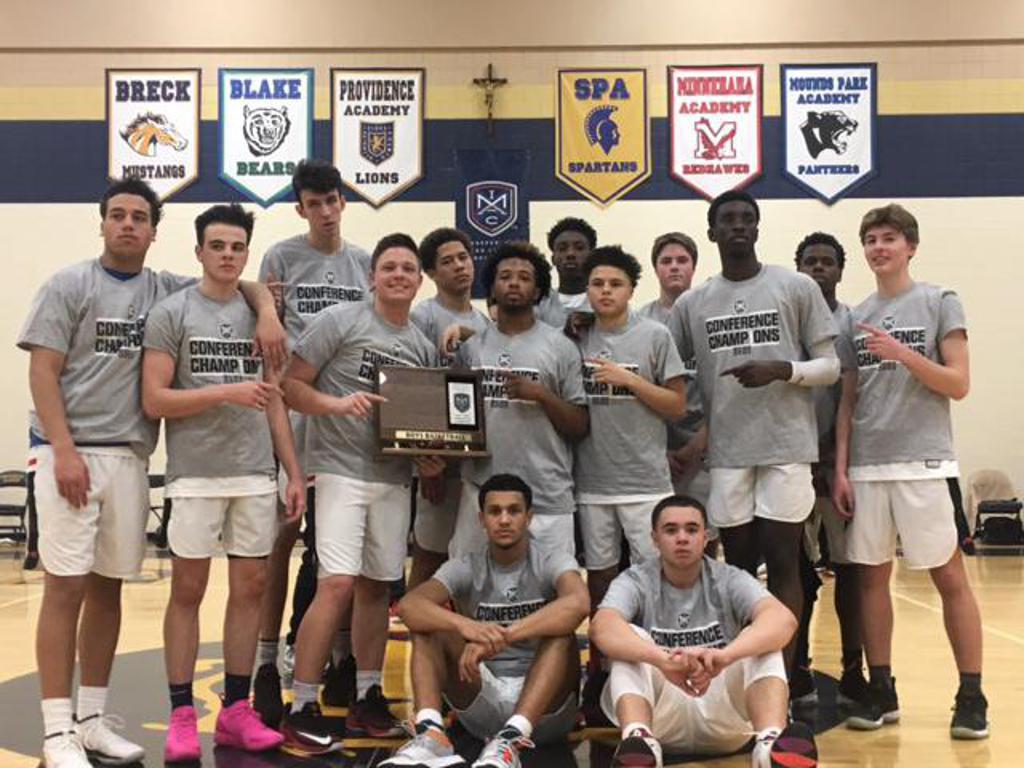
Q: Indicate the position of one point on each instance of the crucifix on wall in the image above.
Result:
(490, 85)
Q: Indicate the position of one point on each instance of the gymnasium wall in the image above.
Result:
(951, 118)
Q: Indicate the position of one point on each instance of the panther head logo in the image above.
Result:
(601, 129)
(265, 128)
(827, 130)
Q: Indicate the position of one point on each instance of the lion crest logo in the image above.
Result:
(601, 129)
(827, 130)
(265, 128)
(150, 130)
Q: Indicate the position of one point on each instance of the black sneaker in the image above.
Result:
(266, 689)
(340, 684)
(853, 686)
(308, 732)
(590, 705)
(802, 691)
(794, 746)
(969, 716)
(638, 750)
(879, 707)
(371, 717)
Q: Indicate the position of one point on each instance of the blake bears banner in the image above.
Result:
(377, 118)
(828, 117)
(266, 129)
(602, 135)
(153, 127)
(714, 127)
(491, 202)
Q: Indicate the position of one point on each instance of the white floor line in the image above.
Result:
(20, 600)
(985, 627)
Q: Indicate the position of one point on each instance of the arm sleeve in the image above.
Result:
(821, 370)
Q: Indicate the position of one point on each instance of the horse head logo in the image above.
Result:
(146, 131)
(601, 129)
(265, 128)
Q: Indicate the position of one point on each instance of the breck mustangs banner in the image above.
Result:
(266, 128)
(828, 113)
(377, 117)
(602, 135)
(715, 127)
(153, 127)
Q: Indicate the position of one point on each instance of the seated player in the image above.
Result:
(695, 649)
(200, 374)
(506, 658)
(894, 454)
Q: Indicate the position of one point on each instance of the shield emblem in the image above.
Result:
(492, 206)
(376, 141)
(462, 402)
(226, 331)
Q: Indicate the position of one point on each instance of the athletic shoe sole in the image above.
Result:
(967, 734)
(863, 724)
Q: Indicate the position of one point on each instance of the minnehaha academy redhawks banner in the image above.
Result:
(715, 127)
(378, 130)
(602, 135)
(153, 127)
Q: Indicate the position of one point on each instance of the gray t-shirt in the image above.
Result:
(554, 309)
(897, 418)
(211, 343)
(776, 315)
(96, 321)
(826, 399)
(433, 318)
(345, 344)
(521, 438)
(623, 454)
(313, 280)
(682, 431)
(711, 613)
(504, 594)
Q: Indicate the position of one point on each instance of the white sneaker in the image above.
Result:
(97, 737)
(429, 749)
(501, 752)
(62, 750)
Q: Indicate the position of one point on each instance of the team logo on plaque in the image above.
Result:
(828, 116)
(266, 128)
(153, 127)
(492, 206)
(377, 117)
(715, 127)
(602, 136)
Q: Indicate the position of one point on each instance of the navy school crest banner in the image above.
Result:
(377, 123)
(266, 129)
(602, 132)
(153, 127)
(829, 115)
(490, 202)
(715, 127)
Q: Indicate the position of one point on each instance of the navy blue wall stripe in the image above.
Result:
(918, 156)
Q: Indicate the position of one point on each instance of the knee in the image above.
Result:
(65, 591)
(250, 589)
(371, 590)
(335, 589)
(187, 592)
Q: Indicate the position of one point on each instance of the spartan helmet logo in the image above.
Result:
(265, 128)
(329, 277)
(226, 330)
(505, 360)
(888, 323)
(739, 306)
(601, 129)
(511, 593)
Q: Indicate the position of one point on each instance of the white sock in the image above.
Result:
(760, 757)
(430, 716)
(366, 680)
(266, 652)
(342, 647)
(304, 694)
(56, 716)
(521, 724)
(628, 728)
(92, 700)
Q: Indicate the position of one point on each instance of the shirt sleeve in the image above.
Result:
(321, 339)
(422, 319)
(270, 265)
(456, 576)
(172, 283)
(951, 314)
(679, 327)
(624, 596)
(162, 332)
(570, 373)
(743, 592)
(52, 318)
(667, 363)
(845, 350)
(816, 323)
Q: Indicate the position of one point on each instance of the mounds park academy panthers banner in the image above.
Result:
(491, 203)
(266, 128)
(602, 135)
(377, 117)
(828, 116)
(153, 127)
(715, 127)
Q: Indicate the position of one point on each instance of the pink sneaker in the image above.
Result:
(183, 737)
(240, 726)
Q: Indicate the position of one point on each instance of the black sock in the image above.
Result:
(880, 675)
(236, 688)
(970, 682)
(181, 694)
(853, 659)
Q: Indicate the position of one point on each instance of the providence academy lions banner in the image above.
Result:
(602, 137)
(377, 118)
(153, 127)
(828, 117)
(266, 129)
(714, 127)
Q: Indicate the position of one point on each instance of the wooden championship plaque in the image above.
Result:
(430, 411)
